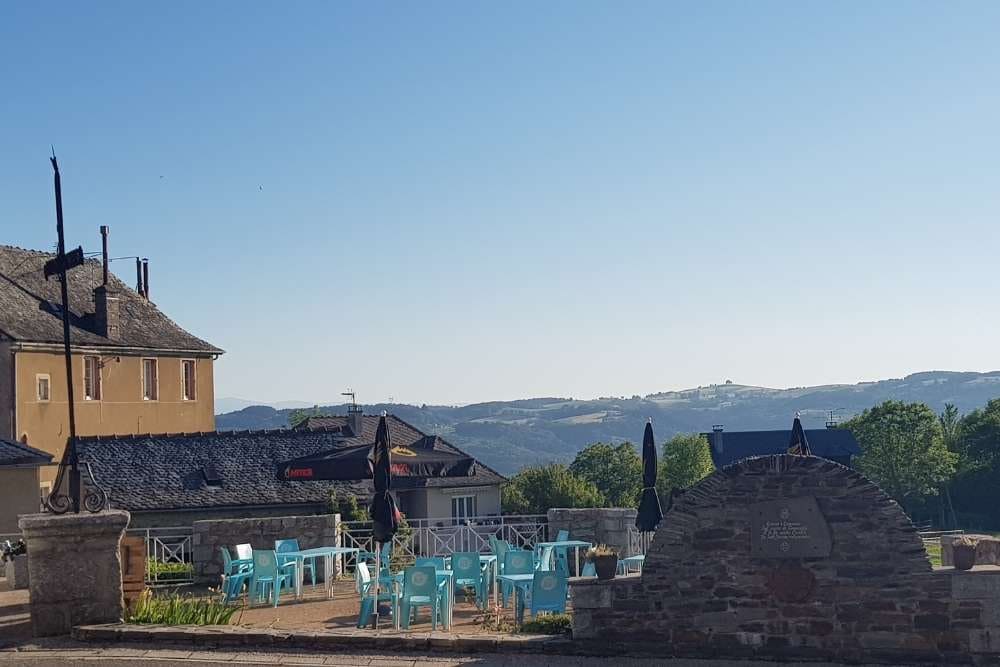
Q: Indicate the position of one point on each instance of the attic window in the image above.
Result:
(212, 476)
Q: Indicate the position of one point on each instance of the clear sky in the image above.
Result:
(463, 201)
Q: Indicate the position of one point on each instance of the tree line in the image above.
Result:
(606, 475)
(944, 467)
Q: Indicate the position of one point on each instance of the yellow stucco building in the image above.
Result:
(134, 370)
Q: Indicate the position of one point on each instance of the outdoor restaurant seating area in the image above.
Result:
(508, 580)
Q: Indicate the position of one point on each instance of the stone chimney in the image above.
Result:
(355, 419)
(107, 315)
(717, 438)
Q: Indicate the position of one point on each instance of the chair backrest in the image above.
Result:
(264, 563)
(244, 551)
(419, 581)
(465, 565)
(437, 562)
(518, 561)
(562, 536)
(227, 561)
(545, 560)
(589, 570)
(548, 589)
(284, 546)
(362, 577)
(500, 549)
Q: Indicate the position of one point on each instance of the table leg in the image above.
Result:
(577, 552)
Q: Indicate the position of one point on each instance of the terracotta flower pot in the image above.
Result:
(606, 566)
(964, 556)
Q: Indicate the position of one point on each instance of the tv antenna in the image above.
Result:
(350, 392)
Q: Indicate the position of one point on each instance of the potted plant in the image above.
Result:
(14, 555)
(605, 560)
(963, 552)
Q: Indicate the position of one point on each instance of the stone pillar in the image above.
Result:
(74, 568)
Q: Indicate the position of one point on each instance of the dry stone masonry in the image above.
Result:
(794, 557)
(311, 531)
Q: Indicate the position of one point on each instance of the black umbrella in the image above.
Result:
(385, 516)
(799, 445)
(649, 515)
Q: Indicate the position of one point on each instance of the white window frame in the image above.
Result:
(48, 387)
(193, 396)
(466, 502)
(96, 378)
(44, 489)
(156, 378)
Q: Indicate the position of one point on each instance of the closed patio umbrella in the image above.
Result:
(385, 515)
(649, 515)
(799, 444)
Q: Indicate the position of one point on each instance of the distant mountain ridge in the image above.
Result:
(507, 435)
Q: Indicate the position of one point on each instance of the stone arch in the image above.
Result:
(872, 537)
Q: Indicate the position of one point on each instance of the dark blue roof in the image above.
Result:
(829, 443)
(14, 453)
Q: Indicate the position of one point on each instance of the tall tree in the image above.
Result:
(687, 460)
(903, 450)
(535, 490)
(616, 471)
(981, 436)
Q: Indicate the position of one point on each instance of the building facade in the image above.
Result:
(134, 370)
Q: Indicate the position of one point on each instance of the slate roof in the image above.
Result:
(29, 307)
(166, 472)
(14, 453)
(830, 443)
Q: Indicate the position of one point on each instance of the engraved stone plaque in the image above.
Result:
(793, 528)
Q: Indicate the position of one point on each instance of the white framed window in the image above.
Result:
(462, 508)
(44, 489)
(43, 388)
(150, 380)
(92, 378)
(189, 390)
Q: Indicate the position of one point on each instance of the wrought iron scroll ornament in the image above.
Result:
(58, 501)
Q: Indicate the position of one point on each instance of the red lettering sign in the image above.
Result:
(299, 473)
(400, 469)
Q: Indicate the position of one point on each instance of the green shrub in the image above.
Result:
(553, 624)
(168, 571)
(180, 610)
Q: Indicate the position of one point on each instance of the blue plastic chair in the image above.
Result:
(308, 564)
(562, 553)
(363, 579)
(234, 576)
(545, 560)
(500, 549)
(268, 577)
(516, 561)
(437, 562)
(548, 593)
(589, 570)
(421, 589)
(470, 572)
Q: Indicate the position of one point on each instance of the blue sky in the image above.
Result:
(454, 202)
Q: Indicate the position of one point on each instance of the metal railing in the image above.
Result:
(638, 543)
(168, 555)
(444, 536)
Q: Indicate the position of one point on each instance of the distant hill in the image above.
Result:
(507, 435)
(232, 404)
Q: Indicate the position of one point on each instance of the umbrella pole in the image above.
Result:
(378, 575)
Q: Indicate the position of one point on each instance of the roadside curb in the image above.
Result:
(327, 640)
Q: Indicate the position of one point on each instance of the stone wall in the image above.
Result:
(311, 531)
(987, 551)
(611, 526)
(704, 591)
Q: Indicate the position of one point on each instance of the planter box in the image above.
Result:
(17, 572)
